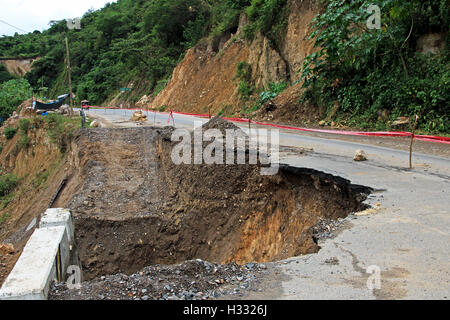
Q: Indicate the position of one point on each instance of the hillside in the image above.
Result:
(291, 61)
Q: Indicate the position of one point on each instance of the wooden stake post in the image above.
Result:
(412, 141)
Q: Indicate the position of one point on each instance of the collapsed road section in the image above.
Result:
(135, 210)
(133, 207)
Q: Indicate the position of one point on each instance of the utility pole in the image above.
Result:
(70, 78)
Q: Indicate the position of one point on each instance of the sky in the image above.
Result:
(31, 15)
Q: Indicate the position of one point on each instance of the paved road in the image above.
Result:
(408, 238)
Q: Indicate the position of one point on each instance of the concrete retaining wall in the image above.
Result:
(45, 258)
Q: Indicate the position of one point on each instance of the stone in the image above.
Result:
(401, 121)
(360, 155)
(138, 116)
(6, 248)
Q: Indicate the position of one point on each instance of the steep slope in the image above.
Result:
(18, 67)
(206, 78)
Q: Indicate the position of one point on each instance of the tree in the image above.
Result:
(12, 94)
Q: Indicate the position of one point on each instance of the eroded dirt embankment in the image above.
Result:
(39, 168)
(206, 78)
(133, 207)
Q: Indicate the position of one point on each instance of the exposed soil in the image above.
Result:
(206, 78)
(32, 195)
(134, 208)
(18, 67)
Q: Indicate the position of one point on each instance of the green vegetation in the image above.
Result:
(10, 132)
(120, 43)
(24, 125)
(162, 108)
(24, 142)
(244, 75)
(245, 89)
(8, 183)
(367, 71)
(12, 94)
(40, 178)
(4, 74)
(131, 40)
(60, 129)
(275, 88)
(225, 110)
(269, 17)
(5, 216)
(364, 72)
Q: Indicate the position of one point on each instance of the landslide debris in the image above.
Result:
(191, 280)
(141, 221)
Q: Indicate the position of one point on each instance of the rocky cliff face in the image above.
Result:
(206, 78)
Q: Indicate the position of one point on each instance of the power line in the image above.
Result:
(13, 26)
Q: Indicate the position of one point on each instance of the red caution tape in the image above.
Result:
(437, 139)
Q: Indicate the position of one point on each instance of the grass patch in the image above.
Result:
(8, 182)
(4, 217)
(225, 110)
(24, 125)
(40, 179)
(60, 129)
(6, 200)
(24, 142)
(9, 132)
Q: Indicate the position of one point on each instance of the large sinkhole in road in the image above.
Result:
(133, 207)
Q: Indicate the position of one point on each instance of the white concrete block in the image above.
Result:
(58, 217)
(36, 268)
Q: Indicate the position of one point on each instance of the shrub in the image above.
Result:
(245, 89)
(269, 17)
(244, 71)
(37, 122)
(10, 132)
(8, 182)
(40, 178)
(24, 125)
(60, 130)
(24, 142)
(366, 71)
(12, 94)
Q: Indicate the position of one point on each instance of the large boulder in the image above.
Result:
(138, 116)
